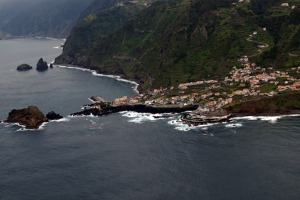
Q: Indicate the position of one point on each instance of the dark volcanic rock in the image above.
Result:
(199, 117)
(53, 116)
(24, 67)
(90, 111)
(41, 65)
(99, 109)
(51, 66)
(31, 117)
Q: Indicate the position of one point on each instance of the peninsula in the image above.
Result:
(248, 90)
(225, 57)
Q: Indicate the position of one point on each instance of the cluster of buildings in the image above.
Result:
(247, 81)
(253, 78)
(241, 82)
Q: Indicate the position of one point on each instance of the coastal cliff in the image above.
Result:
(169, 42)
(221, 54)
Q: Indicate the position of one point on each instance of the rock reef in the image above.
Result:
(104, 108)
(24, 67)
(201, 116)
(31, 117)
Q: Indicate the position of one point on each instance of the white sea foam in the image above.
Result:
(139, 118)
(42, 127)
(82, 116)
(62, 120)
(233, 125)
(58, 47)
(118, 78)
(179, 125)
(47, 38)
(271, 119)
(13, 124)
(173, 120)
(250, 118)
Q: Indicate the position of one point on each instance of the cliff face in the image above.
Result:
(177, 41)
(94, 27)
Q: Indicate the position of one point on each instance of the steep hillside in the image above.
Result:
(11, 8)
(97, 25)
(53, 18)
(178, 41)
(96, 6)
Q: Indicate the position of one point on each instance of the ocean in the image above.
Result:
(130, 155)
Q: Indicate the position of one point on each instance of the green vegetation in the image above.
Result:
(176, 41)
(267, 87)
(280, 103)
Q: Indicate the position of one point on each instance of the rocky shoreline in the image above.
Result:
(99, 109)
(32, 118)
(98, 72)
(283, 104)
(202, 116)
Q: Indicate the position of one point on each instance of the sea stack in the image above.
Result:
(41, 65)
(24, 67)
(31, 117)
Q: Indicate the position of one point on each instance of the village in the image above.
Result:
(246, 82)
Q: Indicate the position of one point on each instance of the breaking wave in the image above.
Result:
(139, 118)
(233, 125)
(180, 126)
(270, 119)
(23, 128)
(118, 78)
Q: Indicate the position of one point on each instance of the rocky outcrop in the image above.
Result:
(41, 65)
(24, 67)
(99, 109)
(203, 116)
(31, 117)
(53, 116)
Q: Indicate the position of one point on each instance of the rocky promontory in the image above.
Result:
(41, 65)
(205, 116)
(24, 67)
(31, 117)
(104, 108)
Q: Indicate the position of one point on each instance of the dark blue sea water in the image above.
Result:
(129, 155)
